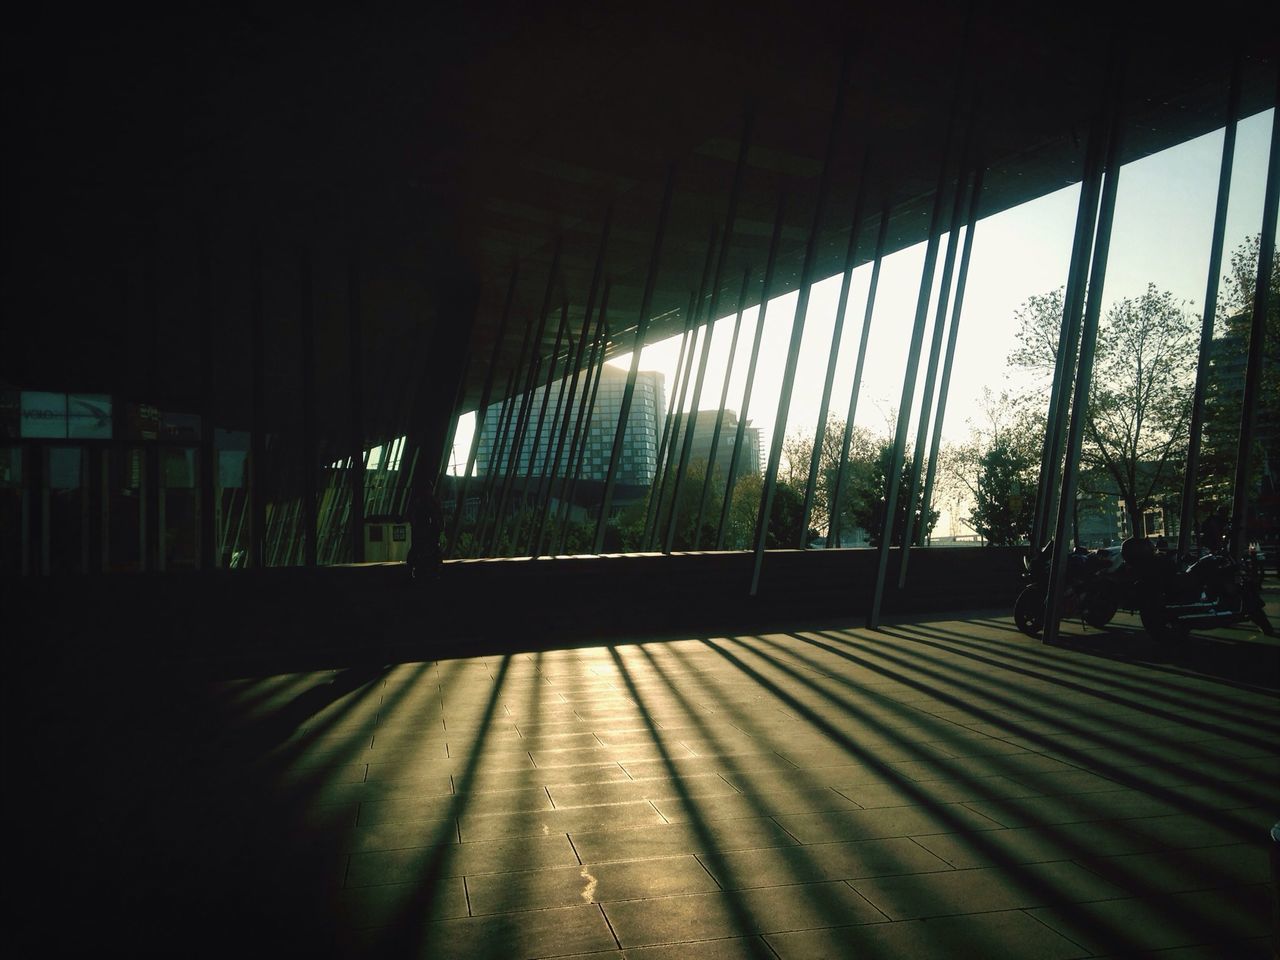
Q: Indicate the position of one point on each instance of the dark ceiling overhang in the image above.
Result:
(449, 149)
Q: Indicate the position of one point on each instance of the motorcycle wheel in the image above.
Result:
(1028, 610)
(1098, 605)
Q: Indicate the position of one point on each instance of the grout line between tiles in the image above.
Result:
(612, 933)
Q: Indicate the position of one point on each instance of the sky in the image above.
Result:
(1161, 235)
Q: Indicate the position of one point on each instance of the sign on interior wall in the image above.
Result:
(89, 416)
(141, 421)
(44, 415)
(180, 427)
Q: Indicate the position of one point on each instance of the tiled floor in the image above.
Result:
(944, 788)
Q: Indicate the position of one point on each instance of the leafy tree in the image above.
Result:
(1139, 406)
(999, 468)
(862, 497)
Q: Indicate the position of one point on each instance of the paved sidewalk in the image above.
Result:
(948, 789)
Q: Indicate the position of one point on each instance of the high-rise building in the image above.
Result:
(704, 424)
(639, 442)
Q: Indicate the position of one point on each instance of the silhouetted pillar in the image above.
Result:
(719, 424)
(1084, 375)
(833, 535)
(1257, 331)
(646, 301)
(766, 293)
(837, 333)
(956, 308)
(355, 440)
(797, 331)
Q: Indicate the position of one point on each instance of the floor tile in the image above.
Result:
(738, 913)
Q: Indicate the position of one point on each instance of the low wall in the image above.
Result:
(294, 617)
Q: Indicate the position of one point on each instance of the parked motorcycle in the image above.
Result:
(1077, 596)
(1214, 591)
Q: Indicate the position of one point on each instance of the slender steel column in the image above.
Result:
(554, 440)
(522, 421)
(523, 415)
(355, 441)
(691, 420)
(724, 399)
(1088, 343)
(1069, 335)
(837, 333)
(1190, 477)
(493, 468)
(797, 331)
(553, 362)
(486, 394)
(1257, 330)
(833, 536)
(307, 323)
(582, 435)
(712, 315)
(671, 427)
(209, 553)
(258, 419)
(909, 377)
(646, 301)
(766, 292)
(572, 427)
(593, 290)
(956, 308)
(503, 436)
(935, 357)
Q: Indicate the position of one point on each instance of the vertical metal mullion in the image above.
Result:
(561, 331)
(724, 399)
(585, 415)
(1088, 343)
(837, 333)
(522, 421)
(690, 424)
(894, 480)
(1191, 474)
(524, 415)
(797, 331)
(766, 289)
(833, 536)
(668, 424)
(502, 433)
(308, 460)
(593, 291)
(935, 357)
(713, 316)
(646, 300)
(956, 307)
(486, 394)
(1253, 367)
(207, 557)
(679, 421)
(1069, 335)
(355, 440)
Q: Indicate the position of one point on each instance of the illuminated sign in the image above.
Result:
(89, 416)
(44, 415)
